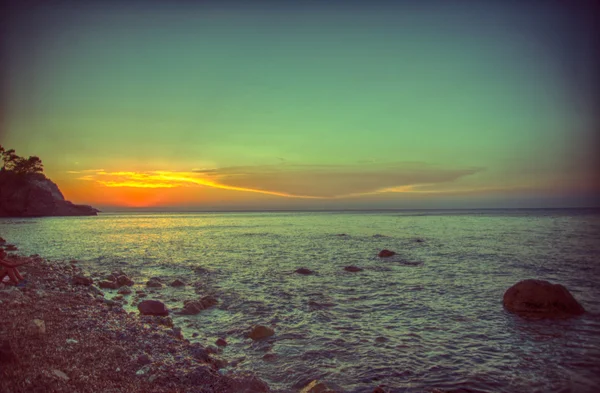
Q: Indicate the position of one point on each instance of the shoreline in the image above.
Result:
(62, 336)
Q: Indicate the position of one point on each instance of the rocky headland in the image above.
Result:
(34, 195)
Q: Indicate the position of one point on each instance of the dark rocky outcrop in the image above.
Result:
(541, 299)
(34, 195)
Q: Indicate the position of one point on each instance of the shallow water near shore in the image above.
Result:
(430, 316)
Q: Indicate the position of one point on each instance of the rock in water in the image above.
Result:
(178, 283)
(259, 332)
(153, 307)
(153, 283)
(304, 270)
(537, 298)
(353, 269)
(386, 253)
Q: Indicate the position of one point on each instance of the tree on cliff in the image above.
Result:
(20, 165)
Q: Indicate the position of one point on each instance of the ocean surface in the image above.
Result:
(431, 316)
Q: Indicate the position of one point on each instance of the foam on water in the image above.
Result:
(431, 316)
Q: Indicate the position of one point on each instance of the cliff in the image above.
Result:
(34, 195)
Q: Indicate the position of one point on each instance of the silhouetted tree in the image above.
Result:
(20, 165)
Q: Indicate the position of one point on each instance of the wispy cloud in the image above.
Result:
(294, 181)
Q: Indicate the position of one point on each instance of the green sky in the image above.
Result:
(466, 105)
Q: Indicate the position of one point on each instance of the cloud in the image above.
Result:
(296, 181)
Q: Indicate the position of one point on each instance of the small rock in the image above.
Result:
(109, 302)
(60, 375)
(123, 280)
(71, 341)
(153, 283)
(93, 289)
(353, 269)
(386, 253)
(118, 297)
(37, 327)
(108, 284)
(153, 307)
(176, 332)
(193, 307)
(178, 283)
(381, 339)
(269, 357)
(304, 270)
(221, 342)
(144, 359)
(82, 280)
(124, 291)
(259, 332)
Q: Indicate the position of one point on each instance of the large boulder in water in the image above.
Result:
(541, 299)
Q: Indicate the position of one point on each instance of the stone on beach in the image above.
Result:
(304, 270)
(386, 253)
(538, 298)
(108, 284)
(260, 331)
(153, 307)
(82, 280)
(37, 327)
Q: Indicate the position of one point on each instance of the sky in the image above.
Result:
(306, 105)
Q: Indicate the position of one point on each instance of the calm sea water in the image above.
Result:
(431, 316)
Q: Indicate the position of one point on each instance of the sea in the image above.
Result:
(429, 317)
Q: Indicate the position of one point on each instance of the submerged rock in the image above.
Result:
(538, 298)
(259, 332)
(386, 253)
(178, 283)
(193, 307)
(153, 283)
(304, 270)
(153, 307)
(353, 269)
(221, 342)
